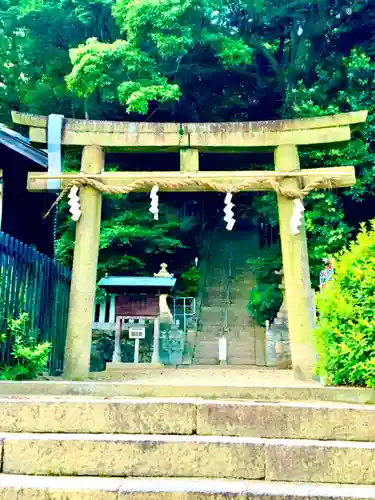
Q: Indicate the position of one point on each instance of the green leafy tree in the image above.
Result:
(35, 38)
(198, 60)
(258, 42)
(350, 87)
(346, 84)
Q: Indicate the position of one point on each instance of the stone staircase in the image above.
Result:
(81, 448)
(241, 333)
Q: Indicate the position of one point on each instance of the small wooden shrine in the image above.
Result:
(135, 300)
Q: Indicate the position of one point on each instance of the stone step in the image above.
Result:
(242, 348)
(250, 361)
(206, 358)
(213, 330)
(212, 302)
(211, 318)
(20, 487)
(213, 335)
(206, 352)
(214, 383)
(133, 455)
(209, 342)
(299, 420)
(205, 361)
(242, 361)
(238, 352)
(213, 457)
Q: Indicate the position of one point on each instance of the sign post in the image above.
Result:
(137, 333)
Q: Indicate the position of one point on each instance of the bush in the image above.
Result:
(28, 357)
(265, 297)
(101, 350)
(190, 281)
(264, 302)
(346, 329)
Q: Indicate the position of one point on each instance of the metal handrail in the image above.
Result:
(204, 257)
(228, 288)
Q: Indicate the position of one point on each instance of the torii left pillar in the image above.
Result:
(85, 261)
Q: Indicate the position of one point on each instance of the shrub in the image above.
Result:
(346, 329)
(265, 297)
(264, 302)
(28, 357)
(190, 282)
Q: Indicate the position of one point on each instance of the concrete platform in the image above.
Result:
(214, 457)
(15, 487)
(193, 416)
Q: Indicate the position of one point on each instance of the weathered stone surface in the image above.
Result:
(163, 128)
(293, 420)
(146, 416)
(196, 489)
(320, 461)
(308, 420)
(213, 382)
(227, 390)
(134, 455)
(16, 487)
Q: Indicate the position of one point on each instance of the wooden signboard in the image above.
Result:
(140, 305)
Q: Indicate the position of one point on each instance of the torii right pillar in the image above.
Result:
(296, 272)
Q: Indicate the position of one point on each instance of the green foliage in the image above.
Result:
(265, 265)
(130, 240)
(101, 351)
(101, 67)
(347, 84)
(343, 84)
(326, 229)
(103, 346)
(346, 330)
(265, 297)
(29, 358)
(197, 60)
(264, 302)
(190, 280)
(35, 38)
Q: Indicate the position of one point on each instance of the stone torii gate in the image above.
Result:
(189, 139)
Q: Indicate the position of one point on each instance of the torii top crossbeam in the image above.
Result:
(131, 136)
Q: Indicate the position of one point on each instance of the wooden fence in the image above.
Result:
(35, 284)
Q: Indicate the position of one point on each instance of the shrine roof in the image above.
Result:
(17, 142)
(138, 281)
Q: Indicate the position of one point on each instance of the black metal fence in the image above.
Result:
(37, 285)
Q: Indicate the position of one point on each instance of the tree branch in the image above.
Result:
(274, 63)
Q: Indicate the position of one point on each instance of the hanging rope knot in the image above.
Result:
(176, 185)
